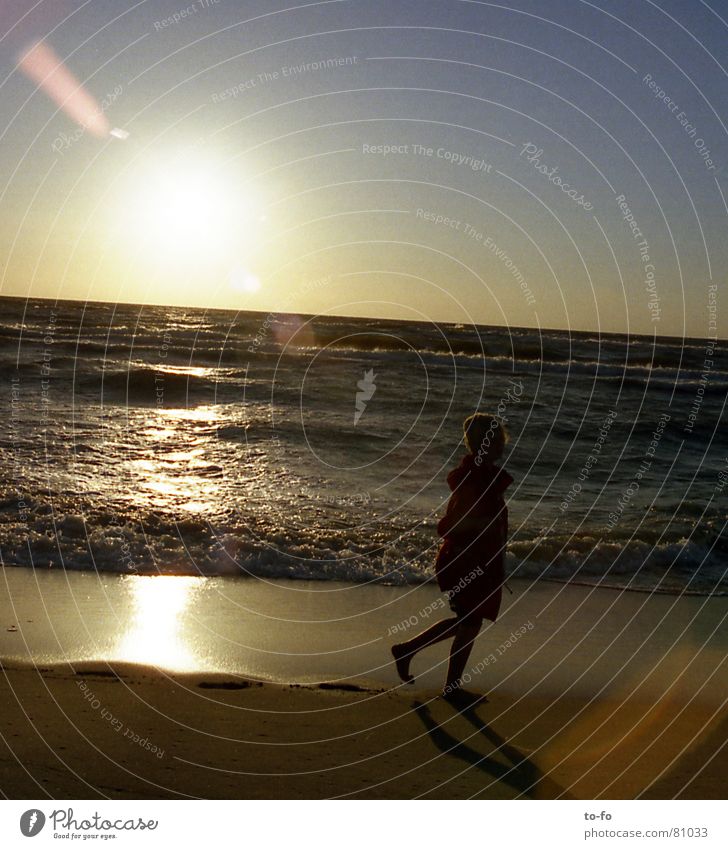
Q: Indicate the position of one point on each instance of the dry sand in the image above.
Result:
(140, 733)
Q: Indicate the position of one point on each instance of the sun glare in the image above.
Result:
(189, 210)
(179, 205)
(243, 281)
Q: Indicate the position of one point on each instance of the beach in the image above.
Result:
(253, 689)
(363, 374)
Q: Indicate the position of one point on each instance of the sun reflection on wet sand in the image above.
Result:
(157, 635)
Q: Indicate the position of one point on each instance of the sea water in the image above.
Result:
(167, 440)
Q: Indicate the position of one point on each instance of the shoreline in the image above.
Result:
(429, 581)
(645, 590)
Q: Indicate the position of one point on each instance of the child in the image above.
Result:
(469, 565)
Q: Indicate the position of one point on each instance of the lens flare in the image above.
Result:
(41, 64)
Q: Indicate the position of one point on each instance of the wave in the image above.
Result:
(145, 385)
(157, 543)
(682, 565)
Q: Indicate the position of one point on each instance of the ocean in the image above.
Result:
(147, 439)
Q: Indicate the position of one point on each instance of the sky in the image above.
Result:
(552, 165)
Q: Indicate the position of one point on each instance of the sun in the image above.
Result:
(183, 207)
(188, 210)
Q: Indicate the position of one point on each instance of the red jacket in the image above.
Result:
(469, 565)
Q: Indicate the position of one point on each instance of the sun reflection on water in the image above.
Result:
(197, 414)
(176, 473)
(157, 635)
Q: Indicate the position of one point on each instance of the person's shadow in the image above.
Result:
(519, 772)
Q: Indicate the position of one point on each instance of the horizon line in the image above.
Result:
(534, 329)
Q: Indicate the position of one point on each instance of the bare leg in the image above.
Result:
(462, 645)
(404, 652)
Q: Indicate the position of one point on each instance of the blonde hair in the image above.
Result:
(485, 436)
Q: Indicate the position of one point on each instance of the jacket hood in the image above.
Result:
(491, 477)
